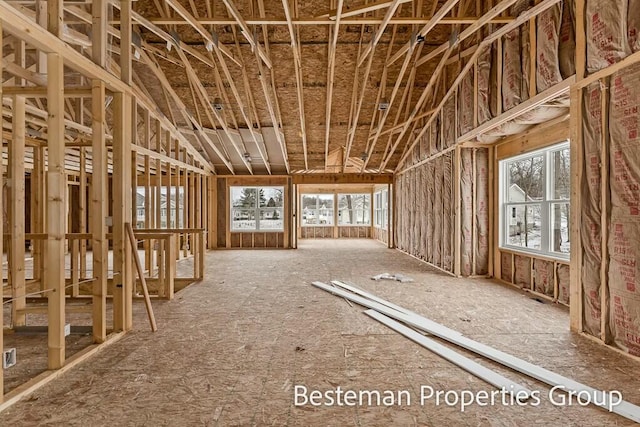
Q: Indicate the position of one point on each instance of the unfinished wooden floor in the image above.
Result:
(230, 349)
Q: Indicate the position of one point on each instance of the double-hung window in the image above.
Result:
(534, 201)
(317, 210)
(257, 208)
(354, 209)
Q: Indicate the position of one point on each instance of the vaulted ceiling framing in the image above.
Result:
(272, 87)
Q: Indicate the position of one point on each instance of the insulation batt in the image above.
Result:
(481, 187)
(547, 55)
(466, 212)
(607, 38)
(591, 210)
(633, 25)
(523, 271)
(624, 224)
(567, 48)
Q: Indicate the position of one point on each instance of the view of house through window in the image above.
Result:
(173, 204)
(317, 209)
(535, 201)
(257, 208)
(352, 209)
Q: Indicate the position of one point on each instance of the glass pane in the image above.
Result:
(309, 216)
(560, 228)
(325, 201)
(243, 197)
(324, 217)
(243, 219)
(271, 219)
(560, 172)
(524, 224)
(272, 197)
(309, 201)
(526, 179)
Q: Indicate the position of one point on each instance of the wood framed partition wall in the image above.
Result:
(82, 140)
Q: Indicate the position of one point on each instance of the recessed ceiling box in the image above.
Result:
(383, 106)
(9, 358)
(217, 104)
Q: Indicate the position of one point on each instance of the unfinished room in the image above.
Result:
(320, 213)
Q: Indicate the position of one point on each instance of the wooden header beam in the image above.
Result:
(342, 178)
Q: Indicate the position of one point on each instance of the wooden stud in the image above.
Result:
(17, 212)
(83, 212)
(604, 210)
(457, 216)
(576, 156)
(98, 225)
(122, 298)
(56, 205)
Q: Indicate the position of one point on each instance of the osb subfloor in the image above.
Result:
(230, 350)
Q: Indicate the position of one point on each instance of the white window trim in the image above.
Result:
(381, 211)
(545, 204)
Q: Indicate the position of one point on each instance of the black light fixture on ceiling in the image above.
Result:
(247, 157)
(217, 104)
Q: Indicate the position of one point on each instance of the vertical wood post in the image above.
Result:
(56, 209)
(17, 213)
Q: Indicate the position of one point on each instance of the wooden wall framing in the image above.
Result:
(102, 141)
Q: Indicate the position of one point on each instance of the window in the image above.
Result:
(317, 209)
(534, 199)
(257, 208)
(354, 209)
(381, 209)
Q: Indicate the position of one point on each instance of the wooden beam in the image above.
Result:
(359, 10)
(56, 209)
(20, 26)
(17, 213)
(126, 69)
(1, 224)
(408, 46)
(207, 143)
(122, 290)
(297, 58)
(41, 92)
(330, 78)
(99, 15)
(211, 42)
(206, 102)
(380, 31)
(301, 22)
(246, 32)
(418, 106)
(342, 178)
(98, 225)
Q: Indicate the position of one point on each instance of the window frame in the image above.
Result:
(381, 209)
(356, 210)
(546, 203)
(255, 209)
(316, 210)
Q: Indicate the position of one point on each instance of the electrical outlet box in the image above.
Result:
(67, 329)
(9, 358)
